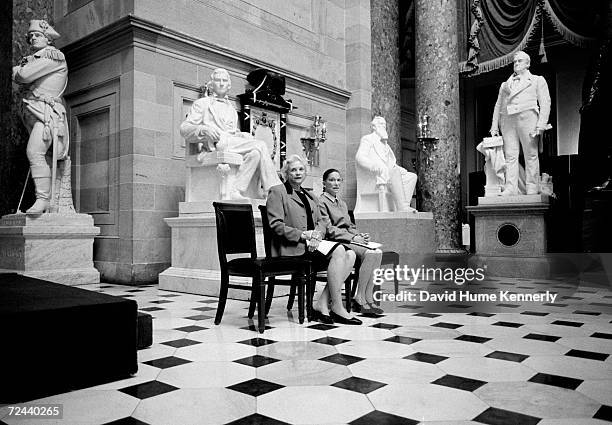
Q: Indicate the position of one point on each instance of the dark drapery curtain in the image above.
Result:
(506, 25)
(511, 25)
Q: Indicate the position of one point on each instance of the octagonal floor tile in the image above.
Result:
(598, 390)
(375, 349)
(573, 367)
(216, 352)
(396, 371)
(542, 401)
(490, 331)
(303, 350)
(324, 405)
(598, 345)
(84, 407)
(293, 334)
(574, 421)
(450, 348)
(191, 406)
(426, 332)
(360, 333)
(528, 347)
(486, 369)
(303, 372)
(425, 402)
(223, 334)
(206, 374)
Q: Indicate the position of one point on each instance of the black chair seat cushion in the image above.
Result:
(249, 266)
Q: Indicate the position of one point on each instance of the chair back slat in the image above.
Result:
(267, 231)
(235, 230)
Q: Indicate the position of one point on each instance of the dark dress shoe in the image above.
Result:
(339, 319)
(375, 309)
(320, 317)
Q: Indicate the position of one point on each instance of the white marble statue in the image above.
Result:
(43, 77)
(521, 112)
(378, 173)
(212, 124)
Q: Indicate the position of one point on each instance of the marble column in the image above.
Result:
(386, 68)
(437, 95)
(359, 82)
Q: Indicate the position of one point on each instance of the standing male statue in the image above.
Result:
(377, 167)
(521, 110)
(44, 75)
(212, 123)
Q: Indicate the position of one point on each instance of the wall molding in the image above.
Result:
(132, 31)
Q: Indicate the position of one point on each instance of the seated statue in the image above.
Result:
(378, 173)
(212, 124)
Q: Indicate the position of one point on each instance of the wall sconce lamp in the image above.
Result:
(310, 145)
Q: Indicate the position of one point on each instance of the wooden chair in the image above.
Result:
(236, 235)
(267, 232)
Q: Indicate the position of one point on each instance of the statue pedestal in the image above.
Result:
(195, 259)
(409, 234)
(511, 236)
(54, 247)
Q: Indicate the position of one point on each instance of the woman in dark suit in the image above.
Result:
(298, 228)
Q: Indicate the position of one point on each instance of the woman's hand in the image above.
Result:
(359, 239)
(312, 244)
(365, 236)
(306, 235)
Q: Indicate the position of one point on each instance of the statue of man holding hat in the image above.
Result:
(44, 76)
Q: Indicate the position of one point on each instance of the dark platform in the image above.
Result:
(57, 338)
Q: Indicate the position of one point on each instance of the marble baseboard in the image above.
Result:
(515, 199)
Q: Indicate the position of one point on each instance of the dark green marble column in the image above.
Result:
(385, 68)
(437, 95)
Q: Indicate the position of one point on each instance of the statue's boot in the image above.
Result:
(42, 182)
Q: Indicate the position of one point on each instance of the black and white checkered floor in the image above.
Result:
(530, 363)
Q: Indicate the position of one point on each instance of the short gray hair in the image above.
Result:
(290, 160)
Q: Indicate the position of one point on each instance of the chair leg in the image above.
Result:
(310, 287)
(395, 278)
(222, 297)
(347, 293)
(261, 305)
(301, 281)
(270, 293)
(291, 296)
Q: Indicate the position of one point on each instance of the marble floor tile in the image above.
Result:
(542, 401)
(588, 343)
(195, 406)
(573, 367)
(294, 334)
(325, 405)
(452, 348)
(525, 346)
(85, 407)
(396, 371)
(490, 331)
(424, 402)
(145, 373)
(303, 372)
(573, 421)
(223, 333)
(155, 351)
(304, 350)
(214, 351)
(375, 349)
(360, 333)
(486, 369)
(598, 390)
(426, 332)
(206, 374)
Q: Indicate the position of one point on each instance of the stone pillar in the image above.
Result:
(437, 95)
(386, 68)
(359, 82)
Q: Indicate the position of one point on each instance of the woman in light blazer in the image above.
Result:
(295, 220)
